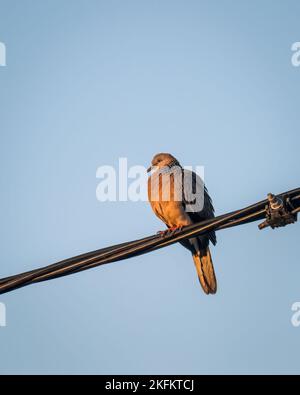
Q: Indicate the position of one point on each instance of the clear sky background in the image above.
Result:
(87, 82)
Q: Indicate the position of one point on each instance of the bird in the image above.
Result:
(175, 198)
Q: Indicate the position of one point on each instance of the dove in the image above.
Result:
(179, 198)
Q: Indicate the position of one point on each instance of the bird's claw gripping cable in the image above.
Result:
(279, 212)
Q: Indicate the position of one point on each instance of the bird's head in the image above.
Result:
(162, 160)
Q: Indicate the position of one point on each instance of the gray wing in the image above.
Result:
(198, 203)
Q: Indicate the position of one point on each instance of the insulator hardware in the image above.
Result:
(279, 212)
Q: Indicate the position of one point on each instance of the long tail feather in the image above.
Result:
(205, 271)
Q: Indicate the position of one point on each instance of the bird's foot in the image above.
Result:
(170, 231)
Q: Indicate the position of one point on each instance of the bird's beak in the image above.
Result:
(149, 169)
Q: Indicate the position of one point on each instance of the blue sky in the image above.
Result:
(88, 82)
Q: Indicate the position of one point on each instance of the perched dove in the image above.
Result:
(179, 198)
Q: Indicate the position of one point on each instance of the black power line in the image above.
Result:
(277, 211)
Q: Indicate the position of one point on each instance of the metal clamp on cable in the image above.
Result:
(279, 212)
